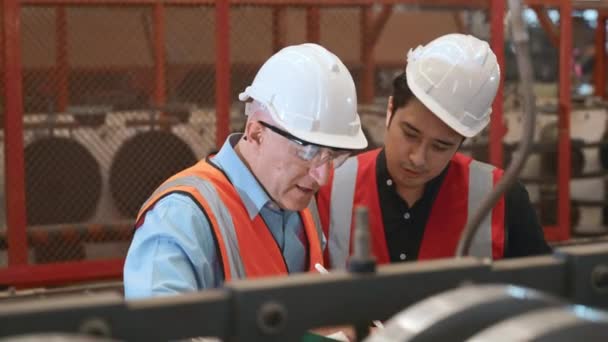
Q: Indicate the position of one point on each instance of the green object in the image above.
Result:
(311, 337)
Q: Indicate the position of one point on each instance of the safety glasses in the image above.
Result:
(311, 153)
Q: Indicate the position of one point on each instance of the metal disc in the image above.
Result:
(63, 181)
(142, 163)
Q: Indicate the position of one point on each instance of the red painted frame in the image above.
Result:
(20, 274)
(23, 276)
(565, 106)
(13, 134)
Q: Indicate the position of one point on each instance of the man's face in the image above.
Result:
(418, 145)
(290, 181)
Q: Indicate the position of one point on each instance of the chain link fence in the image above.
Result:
(118, 98)
(100, 132)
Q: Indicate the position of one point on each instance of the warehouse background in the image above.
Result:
(115, 96)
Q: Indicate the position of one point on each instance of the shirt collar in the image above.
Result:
(383, 178)
(249, 189)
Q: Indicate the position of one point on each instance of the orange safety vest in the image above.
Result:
(247, 247)
(465, 185)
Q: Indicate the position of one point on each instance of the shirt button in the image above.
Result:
(402, 256)
(389, 182)
(406, 216)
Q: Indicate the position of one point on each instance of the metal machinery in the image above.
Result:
(282, 309)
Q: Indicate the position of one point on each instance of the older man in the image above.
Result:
(243, 212)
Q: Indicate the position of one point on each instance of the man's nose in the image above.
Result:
(418, 156)
(320, 173)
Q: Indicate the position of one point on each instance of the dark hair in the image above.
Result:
(402, 94)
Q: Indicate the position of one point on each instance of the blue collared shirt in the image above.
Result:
(174, 250)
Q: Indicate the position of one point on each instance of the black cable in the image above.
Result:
(520, 40)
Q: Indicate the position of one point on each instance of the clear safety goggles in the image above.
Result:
(311, 153)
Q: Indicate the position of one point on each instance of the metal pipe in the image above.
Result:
(520, 39)
(362, 261)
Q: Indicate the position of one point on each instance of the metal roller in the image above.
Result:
(460, 313)
(63, 181)
(142, 163)
(574, 323)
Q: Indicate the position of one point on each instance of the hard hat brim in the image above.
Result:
(339, 141)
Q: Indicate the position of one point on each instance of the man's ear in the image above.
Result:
(253, 132)
(389, 111)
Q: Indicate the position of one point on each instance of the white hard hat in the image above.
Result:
(456, 76)
(309, 92)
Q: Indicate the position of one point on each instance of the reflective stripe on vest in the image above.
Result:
(342, 199)
(341, 211)
(481, 183)
(314, 212)
(220, 211)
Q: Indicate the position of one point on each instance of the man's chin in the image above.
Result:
(297, 204)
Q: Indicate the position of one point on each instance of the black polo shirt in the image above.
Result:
(404, 225)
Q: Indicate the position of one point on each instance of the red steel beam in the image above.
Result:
(278, 28)
(497, 127)
(25, 276)
(564, 148)
(13, 135)
(313, 24)
(222, 71)
(547, 25)
(471, 4)
(428, 4)
(422, 4)
(599, 71)
(62, 59)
